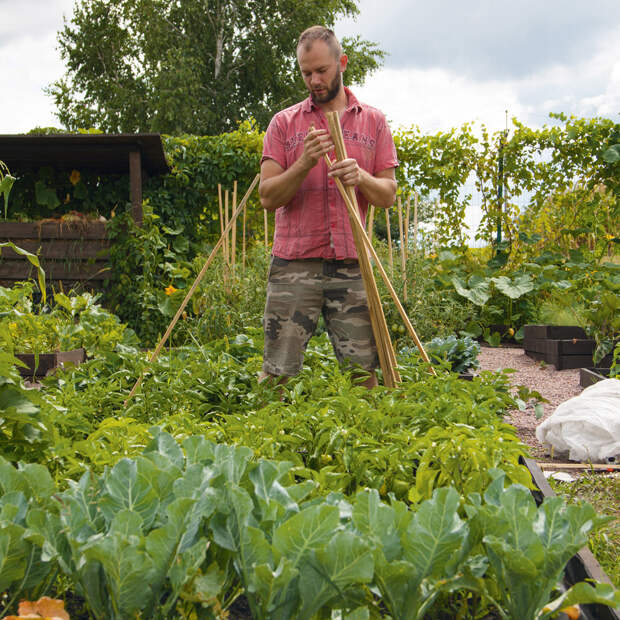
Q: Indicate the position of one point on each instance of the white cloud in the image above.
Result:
(30, 62)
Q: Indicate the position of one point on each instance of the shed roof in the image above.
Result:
(104, 152)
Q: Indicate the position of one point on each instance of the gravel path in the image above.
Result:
(554, 385)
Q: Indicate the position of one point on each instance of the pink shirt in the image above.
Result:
(315, 223)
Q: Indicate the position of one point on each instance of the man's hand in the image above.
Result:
(347, 171)
(317, 144)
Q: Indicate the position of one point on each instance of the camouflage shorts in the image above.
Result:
(298, 291)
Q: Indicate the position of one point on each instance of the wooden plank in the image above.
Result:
(553, 332)
(55, 270)
(13, 231)
(537, 345)
(48, 362)
(135, 185)
(590, 376)
(566, 362)
(580, 466)
(76, 249)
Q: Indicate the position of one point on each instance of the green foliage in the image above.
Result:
(185, 528)
(71, 323)
(570, 173)
(201, 70)
(462, 353)
(520, 540)
(6, 183)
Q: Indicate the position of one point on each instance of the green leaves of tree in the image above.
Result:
(201, 68)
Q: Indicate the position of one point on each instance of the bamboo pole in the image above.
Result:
(385, 350)
(386, 279)
(403, 260)
(371, 220)
(405, 276)
(266, 221)
(415, 223)
(389, 238)
(191, 291)
(233, 248)
(221, 205)
(407, 215)
(415, 236)
(227, 240)
(243, 244)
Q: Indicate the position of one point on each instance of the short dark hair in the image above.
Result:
(319, 33)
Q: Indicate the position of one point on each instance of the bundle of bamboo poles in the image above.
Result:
(364, 245)
(385, 350)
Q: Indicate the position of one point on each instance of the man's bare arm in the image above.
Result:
(379, 190)
(277, 185)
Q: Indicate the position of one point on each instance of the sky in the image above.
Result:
(449, 61)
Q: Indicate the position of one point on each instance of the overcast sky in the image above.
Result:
(450, 61)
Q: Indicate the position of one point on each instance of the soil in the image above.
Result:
(554, 385)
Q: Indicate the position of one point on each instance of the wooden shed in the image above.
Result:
(71, 254)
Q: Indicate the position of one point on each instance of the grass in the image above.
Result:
(602, 490)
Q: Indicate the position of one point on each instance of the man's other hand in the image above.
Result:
(347, 171)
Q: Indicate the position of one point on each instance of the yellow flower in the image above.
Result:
(75, 177)
(170, 289)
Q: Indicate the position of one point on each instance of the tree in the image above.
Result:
(190, 66)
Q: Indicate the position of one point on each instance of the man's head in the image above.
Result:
(321, 62)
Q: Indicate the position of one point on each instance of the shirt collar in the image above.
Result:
(354, 105)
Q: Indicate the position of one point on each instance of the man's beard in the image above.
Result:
(332, 91)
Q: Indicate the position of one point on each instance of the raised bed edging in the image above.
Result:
(590, 376)
(48, 362)
(583, 565)
(68, 251)
(564, 346)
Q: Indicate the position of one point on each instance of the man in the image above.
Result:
(314, 267)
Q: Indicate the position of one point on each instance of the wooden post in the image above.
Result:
(135, 185)
(389, 239)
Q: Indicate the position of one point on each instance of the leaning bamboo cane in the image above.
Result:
(371, 220)
(385, 350)
(266, 221)
(191, 291)
(386, 279)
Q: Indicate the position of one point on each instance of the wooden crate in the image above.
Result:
(68, 252)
